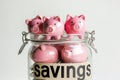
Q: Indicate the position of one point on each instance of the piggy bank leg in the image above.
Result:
(80, 36)
(36, 37)
(69, 37)
(58, 37)
(48, 37)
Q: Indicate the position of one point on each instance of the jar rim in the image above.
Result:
(88, 38)
(40, 38)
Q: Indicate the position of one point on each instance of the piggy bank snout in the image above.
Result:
(50, 29)
(35, 29)
(76, 27)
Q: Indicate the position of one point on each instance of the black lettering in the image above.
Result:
(89, 70)
(45, 71)
(37, 70)
(68, 71)
(81, 72)
(62, 71)
(55, 72)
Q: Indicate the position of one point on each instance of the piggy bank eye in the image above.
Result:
(54, 23)
(71, 51)
(72, 23)
(37, 23)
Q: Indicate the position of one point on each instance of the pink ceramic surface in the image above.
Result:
(54, 27)
(35, 25)
(75, 25)
(45, 54)
(74, 53)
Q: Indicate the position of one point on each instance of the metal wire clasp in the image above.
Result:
(24, 40)
(91, 39)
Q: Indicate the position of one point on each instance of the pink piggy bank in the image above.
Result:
(45, 54)
(54, 27)
(74, 53)
(75, 25)
(35, 25)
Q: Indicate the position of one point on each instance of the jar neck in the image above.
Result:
(35, 39)
(64, 38)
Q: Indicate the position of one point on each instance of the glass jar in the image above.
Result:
(64, 59)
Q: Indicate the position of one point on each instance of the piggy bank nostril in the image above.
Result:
(50, 29)
(76, 27)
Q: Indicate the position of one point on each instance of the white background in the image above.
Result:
(103, 16)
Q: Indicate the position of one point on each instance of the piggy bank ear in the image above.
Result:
(68, 17)
(38, 17)
(27, 21)
(45, 18)
(57, 18)
(82, 16)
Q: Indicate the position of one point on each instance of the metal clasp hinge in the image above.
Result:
(90, 41)
(24, 40)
